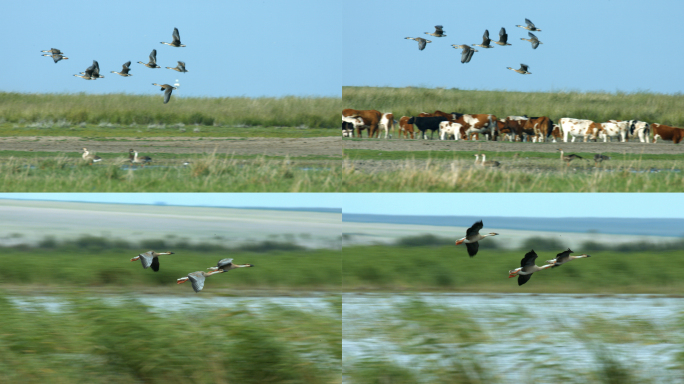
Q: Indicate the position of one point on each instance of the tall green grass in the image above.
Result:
(92, 342)
(448, 268)
(208, 173)
(597, 106)
(71, 109)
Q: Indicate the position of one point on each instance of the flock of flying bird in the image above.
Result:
(468, 52)
(527, 264)
(93, 72)
(151, 259)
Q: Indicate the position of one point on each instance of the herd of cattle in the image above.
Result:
(461, 126)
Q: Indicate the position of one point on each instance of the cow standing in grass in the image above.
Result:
(371, 119)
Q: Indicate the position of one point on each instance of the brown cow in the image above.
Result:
(405, 128)
(666, 132)
(538, 127)
(512, 127)
(475, 124)
(370, 117)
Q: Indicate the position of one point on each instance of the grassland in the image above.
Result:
(92, 342)
(454, 172)
(205, 173)
(596, 106)
(67, 110)
(448, 268)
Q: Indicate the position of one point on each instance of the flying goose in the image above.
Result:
(150, 259)
(570, 157)
(472, 237)
(124, 70)
(56, 57)
(153, 60)
(503, 37)
(564, 257)
(89, 157)
(53, 50)
(467, 52)
(88, 74)
(530, 26)
(527, 268)
(438, 32)
(226, 265)
(96, 71)
(533, 39)
(523, 69)
(197, 279)
(176, 39)
(485, 40)
(421, 42)
(167, 91)
(180, 67)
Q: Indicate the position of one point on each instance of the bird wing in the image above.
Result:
(503, 36)
(147, 260)
(421, 44)
(529, 259)
(96, 70)
(438, 29)
(197, 280)
(523, 67)
(224, 262)
(89, 71)
(522, 279)
(176, 36)
(474, 229)
(181, 64)
(530, 24)
(471, 52)
(153, 57)
(126, 65)
(464, 54)
(56, 57)
(155, 264)
(167, 94)
(472, 248)
(485, 37)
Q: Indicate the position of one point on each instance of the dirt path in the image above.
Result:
(438, 145)
(315, 146)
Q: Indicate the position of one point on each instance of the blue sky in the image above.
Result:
(589, 45)
(552, 205)
(234, 48)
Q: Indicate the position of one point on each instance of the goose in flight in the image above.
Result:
(150, 259)
(226, 265)
(124, 70)
(439, 32)
(523, 69)
(56, 57)
(153, 60)
(197, 279)
(421, 42)
(88, 74)
(503, 37)
(176, 39)
(53, 50)
(485, 40)
(180, 67)
(533, 39)
(167, 91)
(530, 26)
(564, 257)
(467, 52)
(472, 237)
(527, 268)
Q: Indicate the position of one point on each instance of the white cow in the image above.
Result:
(613, 128)
(447, 128)
(640, 129)
(578, 128)
(387, 122)
(356, 121)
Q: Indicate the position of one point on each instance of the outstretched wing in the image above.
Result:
(529, 259)
(522, 279)
(474, 229)
(197, 280)
(530, 24)
(176, 36)
(472, 248)
(153, 57)
(155, 264)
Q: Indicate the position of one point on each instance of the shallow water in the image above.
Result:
(523, 334)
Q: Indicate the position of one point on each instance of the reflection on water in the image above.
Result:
(516, 331)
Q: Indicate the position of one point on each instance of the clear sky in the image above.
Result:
(613, 205)
(234, 48)
(265, 200)
(589, 45)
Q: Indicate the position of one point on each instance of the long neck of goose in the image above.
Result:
(484, 158)
(578, 257)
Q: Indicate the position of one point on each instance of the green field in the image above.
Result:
(448, 268)
(596, 106)
(67, 111)
(205, 173)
